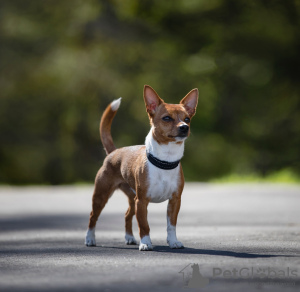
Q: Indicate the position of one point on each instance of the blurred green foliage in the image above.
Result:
(62, 62)
(281, 176)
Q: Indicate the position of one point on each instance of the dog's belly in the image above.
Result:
(162, 183)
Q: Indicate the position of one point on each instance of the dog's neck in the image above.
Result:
(167, 152)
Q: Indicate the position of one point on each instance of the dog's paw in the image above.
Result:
(90, 238)
(175, 244)
(130, 240)
(145, 243)
(144, 246)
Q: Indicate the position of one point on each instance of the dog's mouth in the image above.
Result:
(181, 135)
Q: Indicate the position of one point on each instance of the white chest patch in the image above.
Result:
(162, 183)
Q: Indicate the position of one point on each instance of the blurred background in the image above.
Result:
(62, 62)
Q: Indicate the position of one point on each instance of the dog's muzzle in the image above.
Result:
(183, 131)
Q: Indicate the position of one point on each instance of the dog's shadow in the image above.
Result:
(197, 251)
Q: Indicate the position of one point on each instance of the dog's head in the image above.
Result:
(170, 122)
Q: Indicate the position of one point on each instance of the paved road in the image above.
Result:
(237, 238)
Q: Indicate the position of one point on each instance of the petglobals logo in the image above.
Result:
(192, 278)
(254, 273)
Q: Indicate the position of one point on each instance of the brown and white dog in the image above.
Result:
(149, 173)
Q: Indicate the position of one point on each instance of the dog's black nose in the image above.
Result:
(184, 128)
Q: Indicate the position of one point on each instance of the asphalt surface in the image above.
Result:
(237, 238)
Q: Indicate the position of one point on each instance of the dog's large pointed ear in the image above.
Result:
(190, 102)
(152, 100)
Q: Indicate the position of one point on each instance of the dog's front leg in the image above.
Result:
(172, 213)
(141, 217)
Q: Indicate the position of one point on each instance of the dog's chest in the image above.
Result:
(162, 183)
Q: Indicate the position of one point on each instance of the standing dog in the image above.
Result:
(145, 173)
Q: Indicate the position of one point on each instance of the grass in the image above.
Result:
(282, 176)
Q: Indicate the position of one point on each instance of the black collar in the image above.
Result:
(160, 163)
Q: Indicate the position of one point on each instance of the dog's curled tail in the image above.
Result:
(105, 125)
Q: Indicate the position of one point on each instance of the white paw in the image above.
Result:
(144, 246)
(90, 238)
(175, 244)
(145, 243)
(129, 239)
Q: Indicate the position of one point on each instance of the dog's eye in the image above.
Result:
(187, 120)
(167, 119)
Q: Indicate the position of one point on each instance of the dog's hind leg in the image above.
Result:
(129, 192)
(102, 191)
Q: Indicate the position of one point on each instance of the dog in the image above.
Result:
(149, 173)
